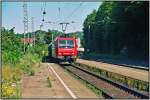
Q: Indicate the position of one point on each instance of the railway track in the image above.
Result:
(109, 88)
(124, 65)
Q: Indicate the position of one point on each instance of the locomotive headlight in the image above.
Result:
(74, 56)
(72, 53)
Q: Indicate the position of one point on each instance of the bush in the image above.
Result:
(7, 73)
(38, 50)
(10, 77)
(32, 73)
(28, 61)
(8, 90)
(15, 62)
(17, 74)
(49, 82)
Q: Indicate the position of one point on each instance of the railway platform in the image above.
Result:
(126, 71)
(63, 85)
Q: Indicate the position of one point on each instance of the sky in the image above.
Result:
(12, 15)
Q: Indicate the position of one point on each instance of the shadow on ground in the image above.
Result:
(127, 62)
(47, 59)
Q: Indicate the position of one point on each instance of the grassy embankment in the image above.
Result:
(128, 81)
(15, 65)
(133, 83)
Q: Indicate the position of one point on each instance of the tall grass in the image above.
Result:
(10, 77)
(15, 62)
(15, 65)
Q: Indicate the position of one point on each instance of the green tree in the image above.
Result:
(11, 47)
(118, 28)
(88, 26)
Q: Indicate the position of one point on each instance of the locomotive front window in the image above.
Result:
(66, 43)
(70, 43)
(62, 42)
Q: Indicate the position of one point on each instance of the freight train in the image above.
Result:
(64, 49)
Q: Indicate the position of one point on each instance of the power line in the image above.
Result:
(58, 16)
(59, 11)
(71, 14)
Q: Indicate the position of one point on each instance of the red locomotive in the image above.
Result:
(64, 49)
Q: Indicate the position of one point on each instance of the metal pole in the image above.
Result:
(25, 21)
(88, 42)
(52, 37)
(40, 29)
(32, 27)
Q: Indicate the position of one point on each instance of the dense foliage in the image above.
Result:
(51, 34)
(77, 35)
(11, 47)
(15, 62)
(119, 28)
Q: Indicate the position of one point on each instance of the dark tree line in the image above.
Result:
(119, 28)
(51, 34)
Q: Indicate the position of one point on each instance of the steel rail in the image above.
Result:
(125, 65)
(122, 87)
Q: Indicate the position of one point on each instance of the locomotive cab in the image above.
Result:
(65, 49)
